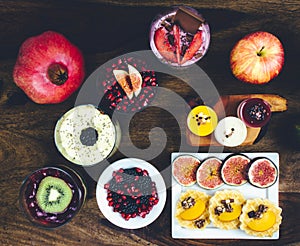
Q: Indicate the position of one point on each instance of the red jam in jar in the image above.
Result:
(254, 112)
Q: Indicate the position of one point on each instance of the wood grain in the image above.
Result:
(104, 29)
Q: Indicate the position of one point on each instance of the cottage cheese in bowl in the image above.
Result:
(86, 136)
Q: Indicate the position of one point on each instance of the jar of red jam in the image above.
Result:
(254, 112)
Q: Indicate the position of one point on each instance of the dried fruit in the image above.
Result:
(234, 169)
(49, 68)
(262, 173)
(209, 173)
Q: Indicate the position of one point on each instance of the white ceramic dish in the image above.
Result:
(249, 191)
(116, 218)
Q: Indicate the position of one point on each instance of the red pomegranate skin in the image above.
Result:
(35, 56)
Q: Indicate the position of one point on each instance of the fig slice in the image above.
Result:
(123, 79)
(136, 79)
(193, 48)
(177, 39)
(163, 45)
(234, 169)
(262, 173)
(209, 174)
(184, 169)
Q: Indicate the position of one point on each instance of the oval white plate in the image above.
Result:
(115, 217)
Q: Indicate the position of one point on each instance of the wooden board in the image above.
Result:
(229, 104)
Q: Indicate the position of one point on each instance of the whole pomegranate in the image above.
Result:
(49, 68)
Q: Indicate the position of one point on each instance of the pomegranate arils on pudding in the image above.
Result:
(131, 192)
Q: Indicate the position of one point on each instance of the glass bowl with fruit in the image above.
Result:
(51, 196)
(180, 37)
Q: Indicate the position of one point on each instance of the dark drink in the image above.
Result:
(51, 196)
(254, 112)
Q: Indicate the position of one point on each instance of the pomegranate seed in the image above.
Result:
(123, 215)
(143, 214)
(145, 173)
(133, 215)
(127, 216)
(136, 178)
(151, 198)
(138, 169)
(124, 197)
(138, 201)
(106, 186)
(109, 199)
(110, 203)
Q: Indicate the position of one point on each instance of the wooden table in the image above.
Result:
(103, 30)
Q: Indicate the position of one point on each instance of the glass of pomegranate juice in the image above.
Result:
(51, 196)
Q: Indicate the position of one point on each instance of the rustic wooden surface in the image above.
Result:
(104, 29)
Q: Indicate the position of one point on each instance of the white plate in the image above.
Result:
(249, 191)
(115, 217)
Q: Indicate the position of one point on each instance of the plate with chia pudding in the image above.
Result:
(131, 193)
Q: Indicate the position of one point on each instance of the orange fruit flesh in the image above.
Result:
(194, 212)
(229, 216)
(264, 223)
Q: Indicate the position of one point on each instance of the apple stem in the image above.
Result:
(259, 53)
(57, 73)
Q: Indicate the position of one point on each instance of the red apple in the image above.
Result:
(49, 68)
(257, 58)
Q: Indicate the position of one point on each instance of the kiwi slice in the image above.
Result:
(53, 195)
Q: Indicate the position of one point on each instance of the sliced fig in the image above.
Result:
(193, 48)
(163, 45)
(184, 169)
(136, 79)
(176, 32)
(234, 169)
(123, 79)
(262, 173)
(209, 173)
